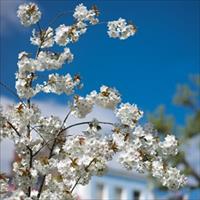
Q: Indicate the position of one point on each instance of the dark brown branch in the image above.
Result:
(14, 128)
(41, 137)
(43, 178)
(50, 155)
(71, 126)
(83, 123)
(30, 166)
(68, 114)
(54, 143)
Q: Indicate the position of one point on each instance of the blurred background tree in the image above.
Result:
(187, 96)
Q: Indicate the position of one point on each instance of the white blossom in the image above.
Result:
(169, 145)
(130, 157)
(120, 29)
(173, 179)
(157, 169)
(3, 185)
(23, 86)
(17, 195)
(107, 97)
(61, 84)
(5, 129)
(66, 34)
(43, 39)
(82, 106)
(21, 115)
(28, 14)
(49, 60)
(83, 14)
(49, 126)
(129, 114)
(26, 64)
(22, 55)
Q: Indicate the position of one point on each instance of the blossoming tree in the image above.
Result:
(70, 160)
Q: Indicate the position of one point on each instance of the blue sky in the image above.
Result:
(145, 68)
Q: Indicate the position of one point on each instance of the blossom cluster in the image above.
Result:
(83, 14)
(60, 84)
(145, 152)
(66, 34)
(120, 29)
(29, 14)
(44, 39)
(50, 162)
(44, 61)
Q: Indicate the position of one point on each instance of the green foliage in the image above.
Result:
(187, 95)
(164, 124)
(192, 127)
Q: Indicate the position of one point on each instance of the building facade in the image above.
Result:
(117, 184)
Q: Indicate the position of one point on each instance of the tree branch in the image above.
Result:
(83, 123)
(71, 126)
(12, 92)
(86, 168)
(13, 127)
(30, 166)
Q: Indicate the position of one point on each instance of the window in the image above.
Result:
(99, 191)
(136, 195)
(118, 193)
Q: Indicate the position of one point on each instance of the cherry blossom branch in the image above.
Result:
(54, 143)
(71, 126)
(44, 177)
(29, 105)
(15, 129)
(12, 92)
(46, 143)
(83, 123)
(88, 25)
(30, 166)
(68, 114)
(50, 155)
(42, 40)
(86, 168)
(59, 15)
(33, 128)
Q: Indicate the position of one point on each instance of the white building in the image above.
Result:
(117, 184)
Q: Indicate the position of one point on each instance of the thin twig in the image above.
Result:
(38, 25)
(86, 168)
(71, 126)
(13, 127)
(58, 16)
(50, 155)
(68, 114)
(41, 136)
(54, 144)
(83, 123)
(46, 143)
(12, 92)
(43, 178)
